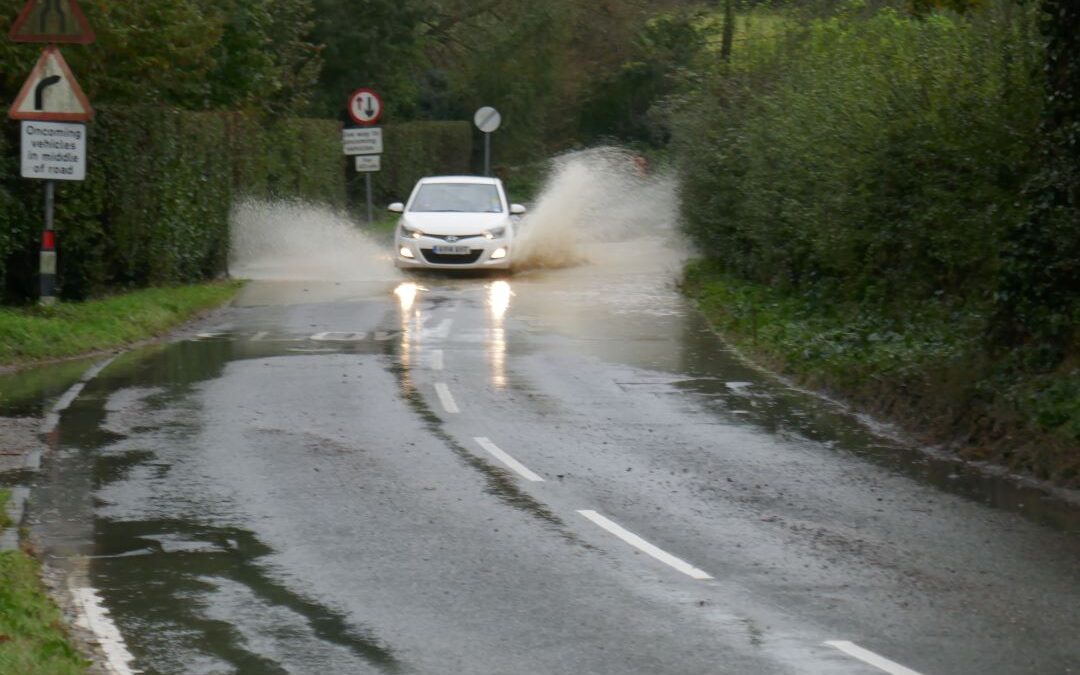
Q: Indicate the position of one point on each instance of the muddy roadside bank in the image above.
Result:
(928, 381)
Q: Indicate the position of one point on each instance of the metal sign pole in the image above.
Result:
(370, 206)
(487, 120)
(47, 262)
(487, 154)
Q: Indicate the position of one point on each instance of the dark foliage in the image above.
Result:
(1038, 297)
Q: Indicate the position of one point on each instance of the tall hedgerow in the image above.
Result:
(154, 208)
(878, 157)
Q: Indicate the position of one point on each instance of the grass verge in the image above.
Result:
(819, 339)
(70, 329)
(5, 519)
(923, 368)
(32, 640)
(385, 222)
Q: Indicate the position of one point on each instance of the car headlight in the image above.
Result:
(495, 233)
(407, 231)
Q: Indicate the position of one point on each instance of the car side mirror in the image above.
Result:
(517, 209)
(396, 207)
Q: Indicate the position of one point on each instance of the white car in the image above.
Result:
(455, 222)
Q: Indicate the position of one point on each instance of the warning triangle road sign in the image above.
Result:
(51, 93)
(59, 21)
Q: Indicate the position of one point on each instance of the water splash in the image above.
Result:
(595, 198)
(598, 209)
(284, 240)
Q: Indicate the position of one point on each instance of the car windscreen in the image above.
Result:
(457, 197)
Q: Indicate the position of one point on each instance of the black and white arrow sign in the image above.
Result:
(365, 107)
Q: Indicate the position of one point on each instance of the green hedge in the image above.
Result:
(7, 206)
(875, 159)
(859, 191)
(290, 158)
(160, 184)
(414, 150)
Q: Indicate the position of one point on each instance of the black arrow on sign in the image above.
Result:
(39, 91)
(50, 7)
(370, 106)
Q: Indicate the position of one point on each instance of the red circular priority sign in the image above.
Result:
(365, 107)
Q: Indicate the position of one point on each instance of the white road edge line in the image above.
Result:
(639, 543)
(437, 360)
(95, 618)
(96, 369)
(52, 419)
(446, 398)
(867, 656)
(69, 397)
(506, 459)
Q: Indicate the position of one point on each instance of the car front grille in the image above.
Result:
(443, 259)
(453, 237)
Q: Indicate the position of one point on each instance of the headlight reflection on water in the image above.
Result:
(406, 293)
(499, 294)
(498, 298)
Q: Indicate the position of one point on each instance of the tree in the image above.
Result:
(729, 30)
(145, 52)
(666, 50)
(264, 57)
(1037, 303)
(924, 7)
(369, 43)
(194, 54)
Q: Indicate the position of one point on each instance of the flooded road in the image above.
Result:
(562, 471)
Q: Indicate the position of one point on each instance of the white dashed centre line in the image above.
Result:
(443, 331)
(338, 336)
(446, 398)
(437, 362)
(509, 461)
(644, 546)
(867, 656)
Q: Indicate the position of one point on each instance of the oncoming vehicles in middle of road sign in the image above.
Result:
(455, 222)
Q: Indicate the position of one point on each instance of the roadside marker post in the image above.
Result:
(365, 109)
(47, 263)
(52, 151)
(51, 99)
(487, 120)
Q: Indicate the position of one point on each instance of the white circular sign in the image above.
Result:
(365, 106)
(487, 119)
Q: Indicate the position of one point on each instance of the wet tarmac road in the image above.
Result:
(560, 472)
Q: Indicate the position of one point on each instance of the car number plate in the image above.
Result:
(452, 250)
